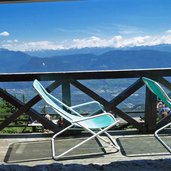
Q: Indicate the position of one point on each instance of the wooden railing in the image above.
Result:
(66, 79)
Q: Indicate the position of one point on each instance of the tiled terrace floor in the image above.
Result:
(151, 160)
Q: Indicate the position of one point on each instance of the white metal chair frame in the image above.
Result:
(156, 134)
(159, 92)
(89, 123)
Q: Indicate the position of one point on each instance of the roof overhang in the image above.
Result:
(29, 1)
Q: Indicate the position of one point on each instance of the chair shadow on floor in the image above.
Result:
(28, 151)
(141, 146)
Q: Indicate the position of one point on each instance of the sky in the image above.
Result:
(84, 23)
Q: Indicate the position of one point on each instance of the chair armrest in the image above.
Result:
(88, 103)
(96, 116)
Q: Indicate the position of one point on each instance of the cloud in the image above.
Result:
(15, 40)
(121, 41)
(127, 30)
(41, 45)
(168, 31)
(89, 42)
(116, 41)
(31, 46)
(4, 34)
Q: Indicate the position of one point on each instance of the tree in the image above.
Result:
(44, 110)
(6, 107)
(24, 99)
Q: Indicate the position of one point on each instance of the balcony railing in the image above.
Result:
(66, 79)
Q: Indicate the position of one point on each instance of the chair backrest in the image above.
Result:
(55, 103)
(157, 90)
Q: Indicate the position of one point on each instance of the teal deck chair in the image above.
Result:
(95, 125)
(159, 92)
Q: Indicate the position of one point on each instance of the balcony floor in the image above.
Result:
(138, 152)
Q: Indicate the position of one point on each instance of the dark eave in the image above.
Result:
(29, 1)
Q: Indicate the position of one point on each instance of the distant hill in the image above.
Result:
(61, 63)
(161, 47)
(12, 61)
(116, 59)
(133, 59)
(95, 51)
(72, 51)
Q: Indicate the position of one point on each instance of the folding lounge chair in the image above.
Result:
(159, 92)
(96, 124)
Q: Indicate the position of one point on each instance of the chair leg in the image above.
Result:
(54, 136)
(76, 146)
(108, 135)
(100, 145)
(114, 143)
(159, 139)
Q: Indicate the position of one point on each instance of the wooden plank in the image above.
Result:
(9, 98)
(66, 98)
(82, 75)
(89, 92)
(150, 111)
(88, 75)
(129, 119)
(33, 114)
(163, 122)
(165, 83)
(126, 93)
(66, 93)
(26, 108)
(106, 103)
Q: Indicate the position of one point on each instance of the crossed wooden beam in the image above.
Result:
(109, 105)
(26, 108)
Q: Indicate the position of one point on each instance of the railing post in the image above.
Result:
(66, 93)
(66, 97)
(150, 111)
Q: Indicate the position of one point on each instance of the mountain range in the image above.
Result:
(86, 59)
